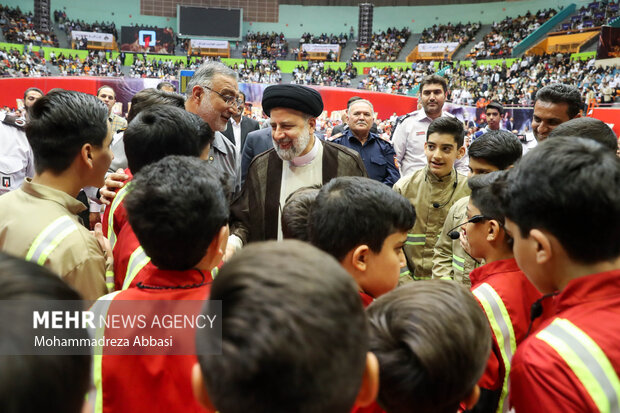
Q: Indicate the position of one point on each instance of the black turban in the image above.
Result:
(301, 98)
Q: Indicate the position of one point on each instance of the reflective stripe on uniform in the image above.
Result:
(214, 272)
(137, 261)
(458, 263)
(49, 238)
(120, 195)
(100, 308)
(109, 280)
(499, 320)
(415, 239)
(587, 360)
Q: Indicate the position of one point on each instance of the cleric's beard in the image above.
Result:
(299, 145)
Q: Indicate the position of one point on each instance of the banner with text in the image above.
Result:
(437, 47)
(208, 44)
(93, 36)
(320, 48)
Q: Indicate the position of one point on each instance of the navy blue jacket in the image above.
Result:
(378, 156)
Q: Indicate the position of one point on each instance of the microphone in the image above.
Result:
(454, 235)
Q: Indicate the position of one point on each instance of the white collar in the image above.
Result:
(309, 157)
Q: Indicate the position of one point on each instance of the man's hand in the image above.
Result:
(464, 242)
(102, 240)
(230, 251)
(94, 218)
(113, 181)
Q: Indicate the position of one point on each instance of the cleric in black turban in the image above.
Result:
(301, 98)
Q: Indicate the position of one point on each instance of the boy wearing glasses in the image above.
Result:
(500, 287)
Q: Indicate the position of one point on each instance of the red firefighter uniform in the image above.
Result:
(115, 216)
(572, 363)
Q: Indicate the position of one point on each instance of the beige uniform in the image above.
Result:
(450, 259)
(40, 224)
(431, 197)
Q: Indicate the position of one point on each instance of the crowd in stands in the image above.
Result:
(324, 38)
(509, 32)
(317, 74)
(60, 18)
(13, 63)
(449, 33)
(596, 14)
(384, 46)
(163, 69)
(395, 80)
(95, 64)
(18, 27)
(261, 72)
(265, 46)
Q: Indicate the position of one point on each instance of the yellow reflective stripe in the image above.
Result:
(415, 239)
(458, 262)
(109, 280)
(587, 360)
(501, 324)
(49, 238)
(100, 308)
(214, 272)
(120, 195)
(137, 261)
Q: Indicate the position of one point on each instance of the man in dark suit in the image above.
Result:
(256, 143)
(239, 126)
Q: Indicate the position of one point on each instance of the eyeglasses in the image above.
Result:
(230, 100)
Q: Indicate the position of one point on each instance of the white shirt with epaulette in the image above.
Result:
(16, 158)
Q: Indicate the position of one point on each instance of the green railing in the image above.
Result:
(542, 31)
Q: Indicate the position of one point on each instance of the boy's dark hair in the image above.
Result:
(59, 381)
(484, 198)
(432, 341)
(561, 93)
(495, 105)
(296, 212)
(176, 207)
(567, 186)
(160, 85)
(164, 130)
(294, 333)
(434, 80)
(151, 97)
(500, 148)
(450, 126)
(588, 128)
(32, 89)
(60, 123)
(352, 210)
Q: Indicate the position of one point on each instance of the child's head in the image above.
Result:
(178, 209)
(294, 335)
(494, 112)
(66, 127)
(494, 151)
(296, 212)
(151, 97)
(432, 341)
(29, 384)
(484, 227)
(444, 145)
(562, 208)
(589, 128)
(163, 130)
(363, 224)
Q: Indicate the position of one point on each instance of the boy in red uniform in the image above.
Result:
(178, 209)
(154, 133)
(363, 224)
(501, 289)
(294, 335)
(562, 208)
(432, 342)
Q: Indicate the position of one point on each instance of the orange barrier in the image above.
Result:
(569, 43)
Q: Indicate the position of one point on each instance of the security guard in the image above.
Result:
(377, 154)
